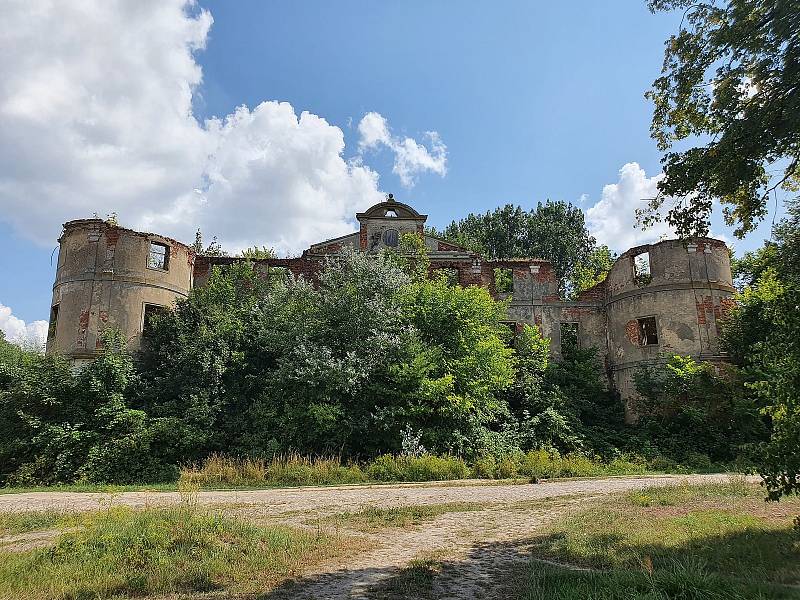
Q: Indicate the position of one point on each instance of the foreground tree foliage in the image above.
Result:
(763, 337)
(729, 82)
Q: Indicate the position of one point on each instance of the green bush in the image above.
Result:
(484, 467)
(422, 468)
(540, 464)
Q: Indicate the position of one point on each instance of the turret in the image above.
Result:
(110, 276)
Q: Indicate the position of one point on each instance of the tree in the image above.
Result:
(258, 252)
(729, 82)
(555, 231)
(593, 269)
(253, 365)
(762, 334)
(213, 249)
(57, 426)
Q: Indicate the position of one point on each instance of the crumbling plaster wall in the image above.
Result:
(688, 292)
(103, 280)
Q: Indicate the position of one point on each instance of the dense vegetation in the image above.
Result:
(376, 360)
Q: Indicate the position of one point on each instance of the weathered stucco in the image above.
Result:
(103, 279)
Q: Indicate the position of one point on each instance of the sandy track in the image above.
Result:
(347, 497)
(477, 550)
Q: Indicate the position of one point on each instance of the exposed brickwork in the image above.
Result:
(724, 308)
(112, 236)
(632, 331)
(83, 326)
(202, 265)
(576, 313)
(330, 248)
(362, 237)
(704, 308)
(596, 293)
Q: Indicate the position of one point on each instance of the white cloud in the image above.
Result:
(29, 335)
(96, 116)
(612, 220)
(410, 157)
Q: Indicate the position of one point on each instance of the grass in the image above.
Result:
(221, 471)
(707, 541)
(126, 552)
(101, 488)
(25, 522)
(412, 581)
(373, 519)
(689, 580)
(294, 470)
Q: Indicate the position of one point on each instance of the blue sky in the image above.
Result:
(531, 101)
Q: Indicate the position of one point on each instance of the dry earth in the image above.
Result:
(475, 550)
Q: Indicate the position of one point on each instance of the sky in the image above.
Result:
(273, 123)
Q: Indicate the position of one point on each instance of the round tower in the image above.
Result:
(665, 299)
(108, 276)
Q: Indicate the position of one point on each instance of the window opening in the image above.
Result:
(503, 281)
(648, 335)
(391, 213)
(150, 311)
(641, 269)
(569, 336)
(391, 238)
(51, 328)
(158, 258)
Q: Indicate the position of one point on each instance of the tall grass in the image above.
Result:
(294, 469)
(290, 469)
(124, 552)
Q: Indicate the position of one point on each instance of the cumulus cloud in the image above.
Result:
(410, 157)
(17, 331)
(612, 220)
(96, 116)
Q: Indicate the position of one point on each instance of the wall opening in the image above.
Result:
(51, 327)
(569, 336)
(390, 213)
(648, 334)
(641, 269)
(158, 257)
(503, 281)
(150, 311)
(391, 237)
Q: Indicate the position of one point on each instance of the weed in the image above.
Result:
(120, 551)
(375, 519)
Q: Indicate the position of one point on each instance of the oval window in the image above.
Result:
(391, 238)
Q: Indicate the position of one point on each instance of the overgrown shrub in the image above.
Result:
(695, 414)
(412, 468)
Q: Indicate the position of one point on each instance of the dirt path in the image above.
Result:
(473, 552)
(347, 497)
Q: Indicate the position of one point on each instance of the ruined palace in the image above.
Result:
(658, 299)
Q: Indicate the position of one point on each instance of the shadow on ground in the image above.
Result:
(720, 567)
